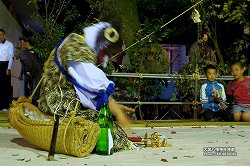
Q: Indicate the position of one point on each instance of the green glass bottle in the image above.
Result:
(104, 145)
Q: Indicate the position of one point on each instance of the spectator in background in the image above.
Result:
(201, 52)
(212, 96)
(32, 68)
(21, 55)
(6, 63)
(238, 93)
(17, 54)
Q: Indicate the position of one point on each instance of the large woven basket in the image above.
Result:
(76, 136)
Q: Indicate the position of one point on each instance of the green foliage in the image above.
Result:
(220, 18)
(109, 69)
(233, 12)
(53, 29)
(123, 15)
(79, 27)
(149, 48)
(224, 21)
(236, 13)
(217, 16)
(46, 42)
(178, 31)
(151, 29)
(184, 84)
(126, 13)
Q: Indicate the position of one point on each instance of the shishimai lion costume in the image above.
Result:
(70, 77)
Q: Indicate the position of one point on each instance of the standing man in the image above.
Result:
(32, 69)
(6, 62)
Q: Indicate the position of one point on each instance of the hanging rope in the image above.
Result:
(133, 43)
(36, 88)
(147, 36)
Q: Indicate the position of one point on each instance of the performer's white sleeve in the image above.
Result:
(91, 78)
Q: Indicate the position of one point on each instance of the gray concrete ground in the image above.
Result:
(190, 146)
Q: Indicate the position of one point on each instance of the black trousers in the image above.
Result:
(5, 87)
(225, 115)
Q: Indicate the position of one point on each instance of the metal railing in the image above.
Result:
(166, 76)
(169, 76)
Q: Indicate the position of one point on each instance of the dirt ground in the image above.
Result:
(191, 145)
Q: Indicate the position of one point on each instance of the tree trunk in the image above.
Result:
(122, 14)
(216, 47)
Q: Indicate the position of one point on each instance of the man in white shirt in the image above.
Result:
(6, 62)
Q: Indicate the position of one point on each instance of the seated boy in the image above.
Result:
(238, 93)
(212, 96)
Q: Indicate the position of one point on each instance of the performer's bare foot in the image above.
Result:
(119, 111)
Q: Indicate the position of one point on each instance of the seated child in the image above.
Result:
(238, 92)
(212, 96)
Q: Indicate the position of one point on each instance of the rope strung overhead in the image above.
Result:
(147, 36)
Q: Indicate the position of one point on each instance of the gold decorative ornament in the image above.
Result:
(111, 34)
(155, 140)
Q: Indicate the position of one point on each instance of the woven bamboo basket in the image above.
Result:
(76, 136)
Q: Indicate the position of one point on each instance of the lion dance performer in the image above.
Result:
(71, 75)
